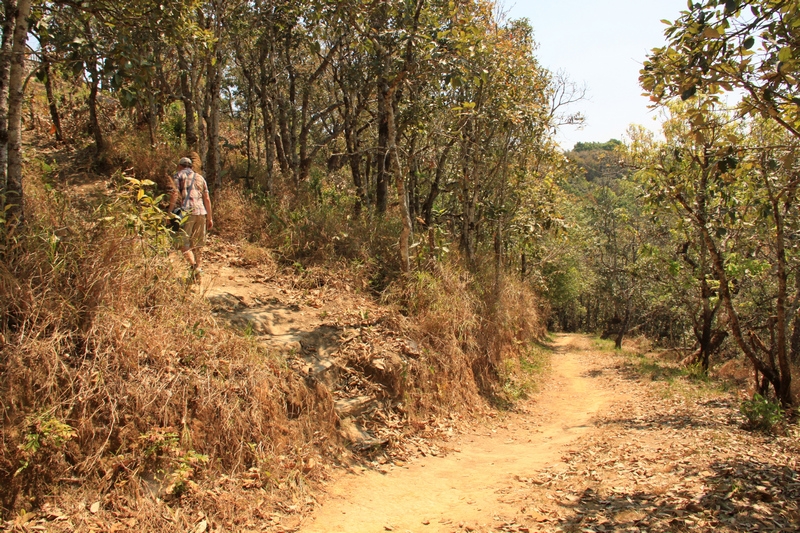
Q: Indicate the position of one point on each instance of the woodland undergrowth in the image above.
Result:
(118, 384)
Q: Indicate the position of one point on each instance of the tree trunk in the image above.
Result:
(468, 226)
(14, 190)
(51, 100)
(187, 98)
(214, 85)
(94, 81)
(10, 9)
(768, 371)
(781, 347)
(270, 142)
(94, 121)
(703, 357)
(433, 194)
(623, 329)
(265, 92)
(498, 259)
(152, 118)
(249, 142)
(382, 154)
(795, 342)
(283, 141)
(402, 195)
(354, 159)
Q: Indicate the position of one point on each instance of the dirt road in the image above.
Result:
(472, 487)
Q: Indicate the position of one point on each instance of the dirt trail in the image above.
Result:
(473, 487)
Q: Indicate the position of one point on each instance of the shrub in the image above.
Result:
(761, 413)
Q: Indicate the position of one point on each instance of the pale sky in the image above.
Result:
(601, 44)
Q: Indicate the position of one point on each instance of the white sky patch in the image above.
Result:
(601, 44)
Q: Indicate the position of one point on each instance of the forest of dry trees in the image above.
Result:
(411, 139)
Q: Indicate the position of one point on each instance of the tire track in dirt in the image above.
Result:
(467, 487)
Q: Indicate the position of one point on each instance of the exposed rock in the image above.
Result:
(352, 407)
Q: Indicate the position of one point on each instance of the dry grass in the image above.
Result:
(472, 334)
(116, 374)
(238, 217)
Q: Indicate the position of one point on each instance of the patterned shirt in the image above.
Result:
(191, 186)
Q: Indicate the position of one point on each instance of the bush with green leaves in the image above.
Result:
(761, 413)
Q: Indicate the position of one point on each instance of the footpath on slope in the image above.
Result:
(474, 486)
(613, 442)
(327, 329)
(610, 442)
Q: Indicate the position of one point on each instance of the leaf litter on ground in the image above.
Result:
(664, 461)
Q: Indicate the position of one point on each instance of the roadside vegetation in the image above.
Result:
(408, 144)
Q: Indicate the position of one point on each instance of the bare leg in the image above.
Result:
(189, 255)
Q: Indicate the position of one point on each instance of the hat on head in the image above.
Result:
(185, 162)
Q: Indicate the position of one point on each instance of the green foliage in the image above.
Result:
(143, 214)
(608, 146)
(736, 222)
(158, 441)
(598, 161)
(712, 49)
(47, 434)
(695, 372)
(178, 465)
(520, 378)
(761, 413)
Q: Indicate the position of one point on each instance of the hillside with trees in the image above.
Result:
(390, 168)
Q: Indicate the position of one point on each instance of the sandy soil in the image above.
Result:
(469, 488)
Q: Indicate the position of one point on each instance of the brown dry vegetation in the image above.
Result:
(126, 404)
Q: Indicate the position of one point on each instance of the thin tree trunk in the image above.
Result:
(354, 158)
(94, 121)
(427, 207)
(14, 190)
(623, 328)
(402, 195)
(795, 342)
(51, 100)
(733, 317)
(187, 97)
(468, 228)
(265, 92)
(152, 118)
(283, 142)
(382, 155)
(270, 142)
(249, 142)
(707, 325)
(498, 259)
(94, 79)
(214, 83)
(10, 7)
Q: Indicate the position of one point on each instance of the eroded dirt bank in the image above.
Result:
(474, 486)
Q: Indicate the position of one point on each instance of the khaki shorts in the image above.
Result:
(194, 232)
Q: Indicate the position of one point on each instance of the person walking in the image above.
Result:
(191, 190)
